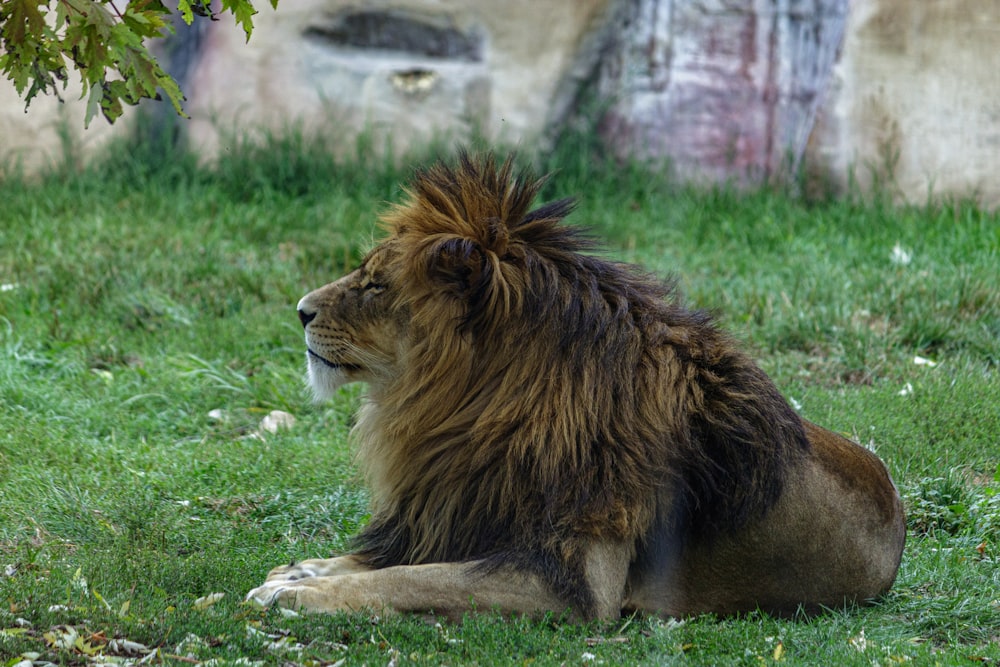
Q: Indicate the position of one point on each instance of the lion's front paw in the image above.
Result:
(291, 572)
(279, 586)
(316, 567)
(292, 595)
(266, 594)
(284, 584)
(316, 594)
(296, 571)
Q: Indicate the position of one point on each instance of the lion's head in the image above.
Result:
(356, 330)
(464, 270)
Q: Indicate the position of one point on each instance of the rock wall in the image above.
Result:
(50, 133)
(899, 92)
(725, 89)
(407, 70)
(914, 103)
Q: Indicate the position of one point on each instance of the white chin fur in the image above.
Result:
(323, 380)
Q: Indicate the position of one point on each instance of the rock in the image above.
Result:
(276, 420)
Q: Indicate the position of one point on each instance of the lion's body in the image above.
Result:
(547, 430)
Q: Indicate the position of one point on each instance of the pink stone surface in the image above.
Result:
(724, 90)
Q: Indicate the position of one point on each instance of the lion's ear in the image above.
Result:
(458, 264)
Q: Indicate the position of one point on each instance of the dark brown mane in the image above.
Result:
(567, 397)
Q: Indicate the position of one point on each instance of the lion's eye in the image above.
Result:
(373, 286)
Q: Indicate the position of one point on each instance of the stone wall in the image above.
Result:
(896, 91)
(408, 70)
(50, 131)
(726, 89)
(915, 101)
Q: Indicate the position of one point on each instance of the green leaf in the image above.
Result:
(243, 11)
(23, 42)
(152, 21)
(184, 7)
(22, 18)
(111, 99)
(188, 8)
(93, 104)
(101, 40)
(174, 94)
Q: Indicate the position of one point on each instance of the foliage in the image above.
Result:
(953, 506)
(148, 328)
(105, 44)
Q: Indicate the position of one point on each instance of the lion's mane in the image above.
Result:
(550, 397)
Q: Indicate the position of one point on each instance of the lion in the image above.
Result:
(546, 431)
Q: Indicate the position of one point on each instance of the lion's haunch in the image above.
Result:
(547, 430)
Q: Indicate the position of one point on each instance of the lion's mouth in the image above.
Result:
(335, 366)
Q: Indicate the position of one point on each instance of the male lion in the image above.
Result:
(546, 430)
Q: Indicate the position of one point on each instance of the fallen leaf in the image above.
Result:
(86, 647)
(207, 601)
(594, 641)
(127, 647)
(61, 636)
(14, 632)
(105, 375)
(79, 581)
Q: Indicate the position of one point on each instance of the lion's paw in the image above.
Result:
(312, 568)
(292, 572)
(312, 594)
(266, 594)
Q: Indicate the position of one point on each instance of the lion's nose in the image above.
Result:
(306, 317)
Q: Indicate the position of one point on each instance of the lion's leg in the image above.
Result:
(317, 567)
(449, 589)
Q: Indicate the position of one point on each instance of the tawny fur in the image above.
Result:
(536, 410)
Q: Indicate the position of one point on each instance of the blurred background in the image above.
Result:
(903, 95)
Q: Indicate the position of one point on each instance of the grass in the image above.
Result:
(147, 327)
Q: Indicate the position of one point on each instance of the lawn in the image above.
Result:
(147, 329)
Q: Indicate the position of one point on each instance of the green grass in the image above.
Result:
(138, 299)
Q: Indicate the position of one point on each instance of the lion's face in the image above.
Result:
(355, 330)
